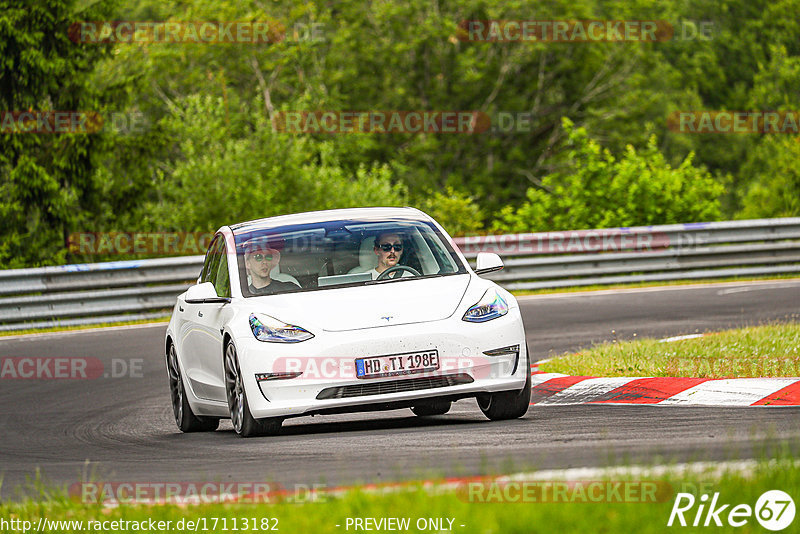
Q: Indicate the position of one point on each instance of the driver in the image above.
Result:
(389, 249)
(260, 258)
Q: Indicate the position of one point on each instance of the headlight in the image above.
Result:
(491, 306)
(269, 329)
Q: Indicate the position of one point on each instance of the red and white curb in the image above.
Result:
(549, 389)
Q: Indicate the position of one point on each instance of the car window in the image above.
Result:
(342, 253)
(222, 281)
(213, 257)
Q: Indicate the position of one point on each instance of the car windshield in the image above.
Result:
(323, 255)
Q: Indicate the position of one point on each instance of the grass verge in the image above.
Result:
(616, 502)
(769, 350)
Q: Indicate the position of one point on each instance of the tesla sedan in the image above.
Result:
(342, 311)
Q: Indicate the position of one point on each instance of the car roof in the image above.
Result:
(331, 215)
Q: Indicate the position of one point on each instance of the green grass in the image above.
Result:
(634, 285)
(575, 513)
(770, 350)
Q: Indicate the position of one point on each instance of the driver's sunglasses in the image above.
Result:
(386, 247)
(262, 257)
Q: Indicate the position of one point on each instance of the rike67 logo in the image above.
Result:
(774, 510)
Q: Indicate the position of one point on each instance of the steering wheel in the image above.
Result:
(385, 274)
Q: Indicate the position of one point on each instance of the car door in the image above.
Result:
(211, 322)
(202, 336)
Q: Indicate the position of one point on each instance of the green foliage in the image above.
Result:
(371, 59)
(774, 180)
(47, 183)
(775, 190)
(225, 170)
(457, 212)
(207, 154)
(597, 190)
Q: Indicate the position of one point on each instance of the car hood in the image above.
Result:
(353, 308)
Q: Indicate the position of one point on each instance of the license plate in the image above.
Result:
(397, 364)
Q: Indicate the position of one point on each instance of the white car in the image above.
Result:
(342, 311)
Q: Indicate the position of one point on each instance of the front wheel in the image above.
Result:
(243, 422)
(508, 404)
(185, 418)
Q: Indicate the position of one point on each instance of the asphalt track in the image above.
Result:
(121, 429)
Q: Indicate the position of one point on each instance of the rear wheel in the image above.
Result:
(185, 418)
(438, 407)
(243, 422)
(508, 404)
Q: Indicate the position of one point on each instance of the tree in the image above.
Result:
(598, 190)
(223, 171)
(47, 184)
(773, 186)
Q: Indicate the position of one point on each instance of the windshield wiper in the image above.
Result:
(400, 278)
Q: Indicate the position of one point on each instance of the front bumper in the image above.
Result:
(327, 362)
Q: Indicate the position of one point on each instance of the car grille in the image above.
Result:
(394, 386)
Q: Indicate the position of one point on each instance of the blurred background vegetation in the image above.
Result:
(598, 152)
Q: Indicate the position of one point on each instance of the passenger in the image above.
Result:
(261, 258)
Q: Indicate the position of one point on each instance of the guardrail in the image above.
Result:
(691, 251)
(141, 289)
(94, 292)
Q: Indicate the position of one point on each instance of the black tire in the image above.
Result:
(185, 418)
(437, 407)
(243, 422)
(508, 404)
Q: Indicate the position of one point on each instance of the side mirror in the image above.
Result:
(488, 262)
(204, 294)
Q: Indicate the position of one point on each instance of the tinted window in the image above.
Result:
(341, 253)
(222, 282)
(213, 257)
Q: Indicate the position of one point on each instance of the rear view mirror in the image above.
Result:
(488, 262)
